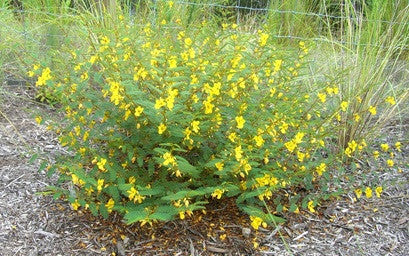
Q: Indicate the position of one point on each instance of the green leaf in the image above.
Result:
(33, 158)
(252, 211)
(279, 208)
(124, 187)
(164, 213)
(178, 195)
(186, 167)
(104, 211)
(139, 160)
(114, 193)
(93, 208)
(247, 195)
(160, 151)
(135, 215)
(51, 171)
(275, 219)
(293, 207)
(57, 195)
(42, 166)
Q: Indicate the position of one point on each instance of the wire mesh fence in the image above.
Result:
(262, 9)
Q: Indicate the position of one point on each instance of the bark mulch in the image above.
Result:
(34, 224)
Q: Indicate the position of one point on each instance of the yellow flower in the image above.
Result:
(362, 145)
(330, 90)
(311, 206)
(208, 106)
(38, 119)
(232, 136)
(45, 76)
(384, 147)
(277, 65)
(172, 62)
(352, 145)
(321, 168)
(127, 114)
(344, 106)
(86, 135)
(238, 153)
(219, 165)
(138, 111)
(290, 145)
(100, 184)
(169, 159)
(390, 162)
(161, 128)
(376, 154)
(322, 97)
(134, 194)
(398, 145)
(246, 166)
(93, 59)
(348, 152)
(263, 39)
(76, 180)
(218, 193)
(104, 40)
(182, 215)
(110, 204)
(356, 117)
(256, 222)
(338, 117)
(188, 41)
(378, 191)
(195, 126)
(170, 100)
(132, 180)
(195, 99)
(159, 103)
(298, 137)
(390, 100)
(75, 205)
(89, 190)
(259, 140)
(300, 156)
(372, 110)
(368, 192)
(240, 122)
(84, 76)
(101, 164)
(358, 193)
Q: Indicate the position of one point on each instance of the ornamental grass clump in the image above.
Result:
(159, 121)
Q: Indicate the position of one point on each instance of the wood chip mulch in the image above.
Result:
(35, 224)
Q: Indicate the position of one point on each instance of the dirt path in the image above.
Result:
(31, 224)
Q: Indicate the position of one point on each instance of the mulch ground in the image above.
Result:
(35, 224)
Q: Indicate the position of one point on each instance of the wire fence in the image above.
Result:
(35, 35)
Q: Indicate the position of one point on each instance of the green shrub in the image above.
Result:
(159, 121)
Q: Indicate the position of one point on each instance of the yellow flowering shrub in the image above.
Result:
(160, 121)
